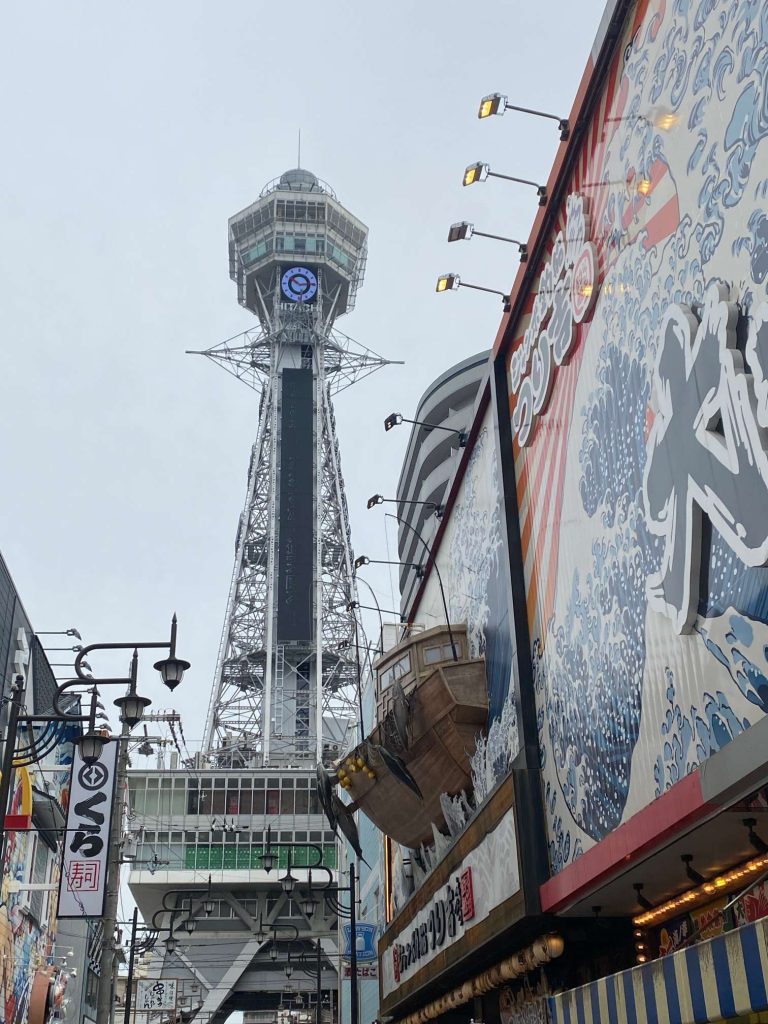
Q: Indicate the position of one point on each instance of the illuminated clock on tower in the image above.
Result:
(299, 284)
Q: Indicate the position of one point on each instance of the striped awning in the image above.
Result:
(712, 981)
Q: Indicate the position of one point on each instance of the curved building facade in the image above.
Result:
(430, 461)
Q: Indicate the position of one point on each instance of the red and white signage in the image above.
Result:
(486, 877)
(83, 880)
(567, 291)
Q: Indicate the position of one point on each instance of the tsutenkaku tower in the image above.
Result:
(285, 690)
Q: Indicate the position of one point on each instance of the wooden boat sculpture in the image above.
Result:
(431, 703)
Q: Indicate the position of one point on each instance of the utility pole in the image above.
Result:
(319, 993)
(131, 958)
(353, 1000)
(109, 918)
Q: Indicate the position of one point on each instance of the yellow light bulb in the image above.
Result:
(666, 121)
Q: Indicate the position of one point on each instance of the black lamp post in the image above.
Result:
(190, 902)
(91, 743)
(330, 894)
(315, 970)
(136, 946)
(171, 669)
(269, 858)
(132, 707)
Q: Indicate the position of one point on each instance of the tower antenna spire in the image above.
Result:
(298, 162)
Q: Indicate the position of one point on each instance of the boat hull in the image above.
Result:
(447, 711)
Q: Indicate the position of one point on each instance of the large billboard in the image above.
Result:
(295, 568)
(638, 381)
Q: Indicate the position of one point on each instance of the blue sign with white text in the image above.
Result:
(365, 944)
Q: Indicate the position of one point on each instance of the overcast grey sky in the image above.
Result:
(131, 132)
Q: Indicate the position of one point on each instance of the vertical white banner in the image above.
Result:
(83, 880)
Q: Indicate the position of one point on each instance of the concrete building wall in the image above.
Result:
(431, 460)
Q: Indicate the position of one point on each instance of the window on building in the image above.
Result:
(443, 652)
(302, 802)
(395, 671)
(273, 801)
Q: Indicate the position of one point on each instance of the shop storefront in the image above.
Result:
(445, 949)
(718, 980)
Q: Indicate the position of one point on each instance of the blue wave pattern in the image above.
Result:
(476, 580)
(706, 66)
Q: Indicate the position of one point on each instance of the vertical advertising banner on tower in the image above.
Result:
(83, 880)
(295, 568)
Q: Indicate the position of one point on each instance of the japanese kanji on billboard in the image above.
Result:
(156, 994)
(86, 843)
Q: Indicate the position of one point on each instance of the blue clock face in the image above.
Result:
(299, 284)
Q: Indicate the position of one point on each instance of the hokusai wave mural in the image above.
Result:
(649, 620)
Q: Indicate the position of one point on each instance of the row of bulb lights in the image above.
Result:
(702, 893)
(498, 104)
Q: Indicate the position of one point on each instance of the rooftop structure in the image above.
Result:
(430, 461)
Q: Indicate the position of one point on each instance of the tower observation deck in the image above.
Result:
(285, 693)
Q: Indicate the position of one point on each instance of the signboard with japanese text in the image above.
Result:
(84, 867)
(365, 972)
(366, 942)
(155, 994)
(484, 879)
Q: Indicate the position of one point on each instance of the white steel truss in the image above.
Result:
(270, 703)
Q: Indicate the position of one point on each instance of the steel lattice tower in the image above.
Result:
(285, 689)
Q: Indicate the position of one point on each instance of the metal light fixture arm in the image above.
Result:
(433, 560)
(359, 579)
(169, 645)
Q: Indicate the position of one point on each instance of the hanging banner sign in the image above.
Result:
(155, 994)
(83, 880)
